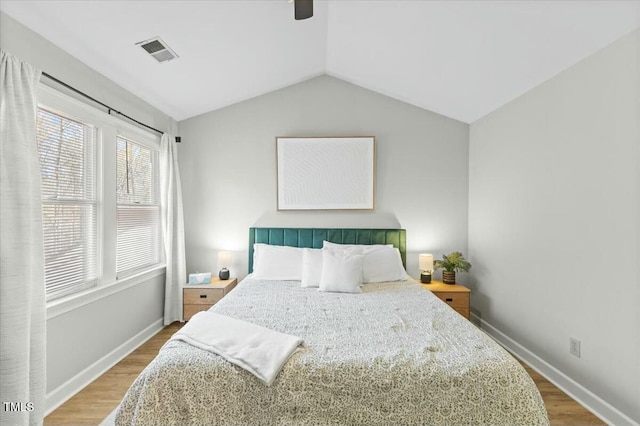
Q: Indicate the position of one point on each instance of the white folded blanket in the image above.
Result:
(257, 349)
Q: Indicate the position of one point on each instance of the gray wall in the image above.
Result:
(554, 221)
(79, 338)
(228, 168)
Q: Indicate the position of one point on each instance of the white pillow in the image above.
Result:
(311, 267)
(277, 262)
(384, 264)
(354, 248)
(341, 273)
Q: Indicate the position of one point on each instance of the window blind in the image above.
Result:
(139, 242)
(68, 157)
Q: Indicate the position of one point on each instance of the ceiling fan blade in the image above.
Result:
(303, 9)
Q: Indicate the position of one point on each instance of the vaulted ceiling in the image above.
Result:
(462, 59)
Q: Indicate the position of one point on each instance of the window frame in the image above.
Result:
(107, 128)
(147, 144)
(96, 203)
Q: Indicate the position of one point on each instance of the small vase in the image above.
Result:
(448, 277)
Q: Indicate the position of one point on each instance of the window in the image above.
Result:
(68, 153)
(138, 215)
(100, 201)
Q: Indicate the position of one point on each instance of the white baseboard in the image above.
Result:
(62, 393)
(601, 408)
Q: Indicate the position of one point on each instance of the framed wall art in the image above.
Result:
(326, 173)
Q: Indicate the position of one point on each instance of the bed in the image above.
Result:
(392, 354)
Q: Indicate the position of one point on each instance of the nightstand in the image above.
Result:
(196, 298)
(455, 295)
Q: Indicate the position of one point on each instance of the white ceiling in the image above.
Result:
(462, 59)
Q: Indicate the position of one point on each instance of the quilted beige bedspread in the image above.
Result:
(392, 355)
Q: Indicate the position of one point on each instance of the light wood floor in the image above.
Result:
(91, 405)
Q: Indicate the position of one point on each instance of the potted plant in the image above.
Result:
(450, 264)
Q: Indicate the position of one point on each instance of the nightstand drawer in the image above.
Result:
(196, 298)
(454, 299)
(454, 295)
(202, 296)
(463, 311)
(191, 310)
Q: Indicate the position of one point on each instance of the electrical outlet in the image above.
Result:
(574, 347)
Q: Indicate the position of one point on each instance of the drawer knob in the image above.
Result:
(448, 299)
(203, 296)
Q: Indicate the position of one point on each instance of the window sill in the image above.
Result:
(74, 301)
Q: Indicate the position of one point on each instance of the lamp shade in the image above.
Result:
(426, 262)
(224, 258)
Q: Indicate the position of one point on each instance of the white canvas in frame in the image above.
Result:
(330, 173)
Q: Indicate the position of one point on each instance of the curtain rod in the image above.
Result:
(110, 109)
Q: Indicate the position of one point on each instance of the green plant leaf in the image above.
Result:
(453, 262)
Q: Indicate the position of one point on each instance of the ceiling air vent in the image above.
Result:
(158, 49)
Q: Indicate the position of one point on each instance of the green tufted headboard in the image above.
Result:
(313, 238)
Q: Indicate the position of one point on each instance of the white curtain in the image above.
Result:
(172, 228)
(22, 291)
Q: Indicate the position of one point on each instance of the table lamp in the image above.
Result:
(426, 267)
